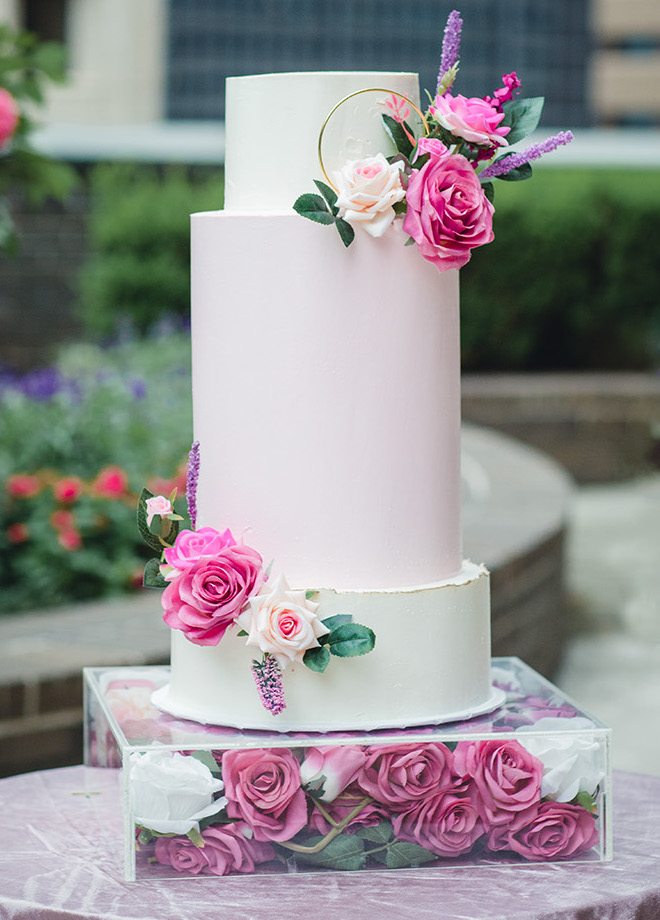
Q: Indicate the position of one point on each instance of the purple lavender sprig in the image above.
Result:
(506, 163)
(192, 478)
(268, 678)
(451, 43)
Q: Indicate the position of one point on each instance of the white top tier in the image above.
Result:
(273, 123)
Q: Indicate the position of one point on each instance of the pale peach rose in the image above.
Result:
(282, 622)
(368, 189)
(158, 506)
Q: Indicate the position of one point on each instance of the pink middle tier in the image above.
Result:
(326, 397)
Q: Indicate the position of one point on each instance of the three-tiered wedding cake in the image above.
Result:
(326, 397)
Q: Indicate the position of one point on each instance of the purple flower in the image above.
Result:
(268, 678)
(450, 44)
(506, 163)
(191, 483)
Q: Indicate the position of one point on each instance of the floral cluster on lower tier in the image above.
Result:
(351, 806)
(214, 583)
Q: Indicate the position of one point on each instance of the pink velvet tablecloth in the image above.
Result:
(61, 857)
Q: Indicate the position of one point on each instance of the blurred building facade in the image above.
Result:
(596, 61)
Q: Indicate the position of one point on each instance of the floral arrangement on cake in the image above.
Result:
(214, 583)
(437, 187)
(354, 806)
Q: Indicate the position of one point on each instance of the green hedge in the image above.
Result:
(571, 281)
(139, 229)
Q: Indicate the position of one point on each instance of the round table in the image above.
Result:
(61, 857)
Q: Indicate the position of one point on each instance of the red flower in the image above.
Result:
(70, 539)
(68, 489)
(17, 533)
(62, 519)
(111, 482)
(22, 485)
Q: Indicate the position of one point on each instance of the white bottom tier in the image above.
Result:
(431, 664)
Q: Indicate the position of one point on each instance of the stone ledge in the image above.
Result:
(601, 427)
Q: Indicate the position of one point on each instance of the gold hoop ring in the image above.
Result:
(359, 92)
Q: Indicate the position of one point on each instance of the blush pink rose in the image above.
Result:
(447, 824)
(225, 850)
(399, 775)
(448, 214)
(368, 191)
(205, 599)
(506, 776)
(263, 789)
(331, 769)
(9, 115)
(473, 119)
(191, 545)
(552, 830)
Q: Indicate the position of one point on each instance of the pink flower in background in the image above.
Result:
(370, 814)
(399, 775)
(431, 145)
(68, 489)
(448, 823)
(283, 623)
(448, 214)
(205, 599)
(506, 776)
(226, 849)
(263, 789)
(111, 482)
(158, 505)
(333, 768)
(473, 119)
(23, 485)
(551, 830)
(9, 115)
(192, 545)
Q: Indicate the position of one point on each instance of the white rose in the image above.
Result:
(368, 189)
(282, 622)
(571, 763)
(169, 792)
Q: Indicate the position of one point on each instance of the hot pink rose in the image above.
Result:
(263, 789)
(473, 119)
(507, 778)
(448, 823)
(399, 775)
(225, 850)
(191, 545)
(331, 768)
(205, 599)
(552, 830)
(9, 115)
(448, 214)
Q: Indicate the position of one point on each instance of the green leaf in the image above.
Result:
(586, 801)
(241, 634)
(522, 116)
(317, 659)
(195, 837)
(329, 195)
(345, 852)
(350, 640)
(518, 173)
(402, 855)
(489, 190)
(207, 758)
(313, 207)
(398, 135)
(152, 577)
(382, 833)
(337, 620)
(143, 529)
(346, 232)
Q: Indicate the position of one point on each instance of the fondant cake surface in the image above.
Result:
(326, 399)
